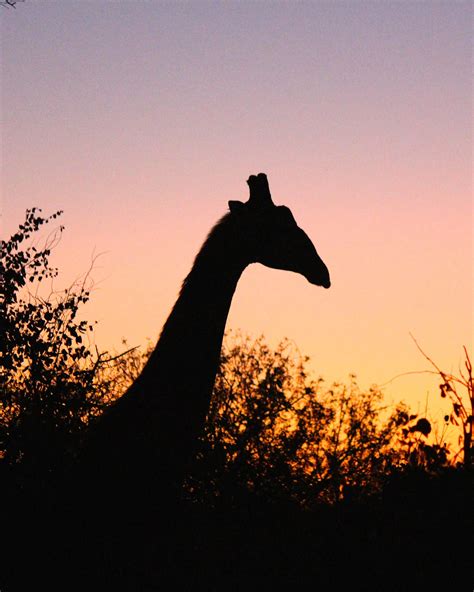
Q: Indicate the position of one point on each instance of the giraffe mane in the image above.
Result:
(217, 230)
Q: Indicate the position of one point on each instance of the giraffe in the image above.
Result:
(145, 439)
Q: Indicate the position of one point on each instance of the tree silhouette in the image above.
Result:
(10, 3)
(459, 390)
(50, 387)
(274, 430)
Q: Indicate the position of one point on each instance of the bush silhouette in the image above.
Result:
(459, 391)
(52, 381)
(274, 430)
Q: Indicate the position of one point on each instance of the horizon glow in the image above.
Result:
(141, 120)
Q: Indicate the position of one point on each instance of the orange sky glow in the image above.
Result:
(141, 120)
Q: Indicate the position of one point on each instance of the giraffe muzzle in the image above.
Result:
(319, 278)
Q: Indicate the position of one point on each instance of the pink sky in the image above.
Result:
(141, 120)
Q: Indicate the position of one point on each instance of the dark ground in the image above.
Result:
(416, 536)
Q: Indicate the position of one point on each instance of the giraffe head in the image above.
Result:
(271, 236)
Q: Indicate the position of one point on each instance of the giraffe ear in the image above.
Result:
(236, 207)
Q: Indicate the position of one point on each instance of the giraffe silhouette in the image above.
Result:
(144, 441)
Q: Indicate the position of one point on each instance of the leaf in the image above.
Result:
(423, 426)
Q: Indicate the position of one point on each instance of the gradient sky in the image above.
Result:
(142, 119)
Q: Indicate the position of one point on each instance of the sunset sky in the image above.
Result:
(142, 119)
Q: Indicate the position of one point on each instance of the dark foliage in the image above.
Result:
(459, 391)
(52, 382)
(274, 431)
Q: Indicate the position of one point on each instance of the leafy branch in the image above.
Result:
(459, 390)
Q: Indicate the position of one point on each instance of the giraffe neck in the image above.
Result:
(186, 358)
(150, 433)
